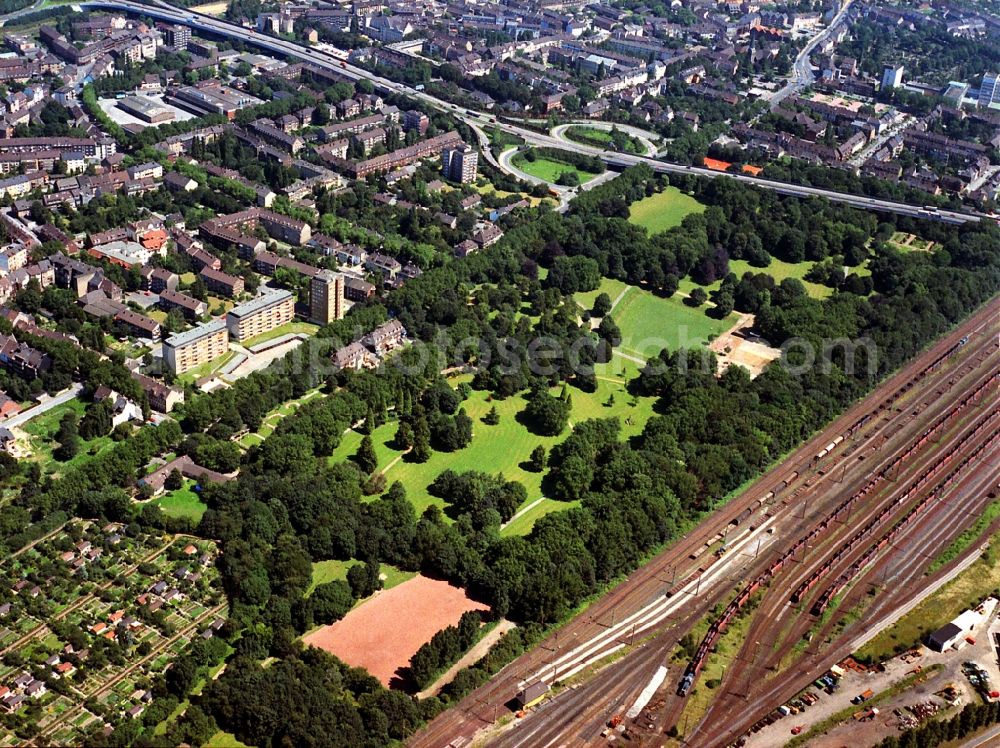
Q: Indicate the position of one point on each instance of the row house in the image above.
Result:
(405, 156)
(138, 325)
(277, 136)
(191, 307)
(267, 262)
(222, 283)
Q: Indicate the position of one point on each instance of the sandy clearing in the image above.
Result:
(211, 9)
(382, 634)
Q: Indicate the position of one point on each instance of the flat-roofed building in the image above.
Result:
(260, 315)
(147, 109)
(326, 297)
(459, 163)
(199, 345)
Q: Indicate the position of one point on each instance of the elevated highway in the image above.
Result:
(326, 60)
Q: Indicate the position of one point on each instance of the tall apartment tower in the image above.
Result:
(989, 92)
(326, 297)
(459, 164)
(892, 76)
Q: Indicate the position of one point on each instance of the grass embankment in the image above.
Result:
(963, 541)
(206, 369)
(549, 167)
(714, 670)
(599, 138)
(292, 328)
(963, 592)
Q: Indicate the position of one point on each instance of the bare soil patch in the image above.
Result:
(382, 634)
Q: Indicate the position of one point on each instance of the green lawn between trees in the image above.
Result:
(664, 210)
(42, 429)
(649, 322)
(505, 447)
(333, 570)
(183, 502)
(668, 208)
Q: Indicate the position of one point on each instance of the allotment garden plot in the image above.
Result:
(87, 616)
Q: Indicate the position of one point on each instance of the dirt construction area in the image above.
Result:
(383, 633)
(733, 348)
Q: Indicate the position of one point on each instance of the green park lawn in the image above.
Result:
(333, 570)
(664, 210)
(610, 286)
(46, 424)
(224, 740)
(272, 419)
(779, 270)
(183, 502)
(502, 448)
(549, 169)
(522, 522)
(41, 432)
(650, 323)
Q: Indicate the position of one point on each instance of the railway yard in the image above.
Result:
(833, 541)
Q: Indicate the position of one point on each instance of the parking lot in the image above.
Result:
(940, 685)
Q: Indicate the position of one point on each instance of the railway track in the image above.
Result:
(767, 629)
(891, 416)
(882, 419)
(818, 531)
(878, 580)
(615, 690)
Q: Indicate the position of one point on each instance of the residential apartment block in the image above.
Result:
(199, 345)
(459, 164)
(326, 297)
(261, 315)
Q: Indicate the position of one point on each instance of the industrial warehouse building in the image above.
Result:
(953, 633)
(146, 109)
